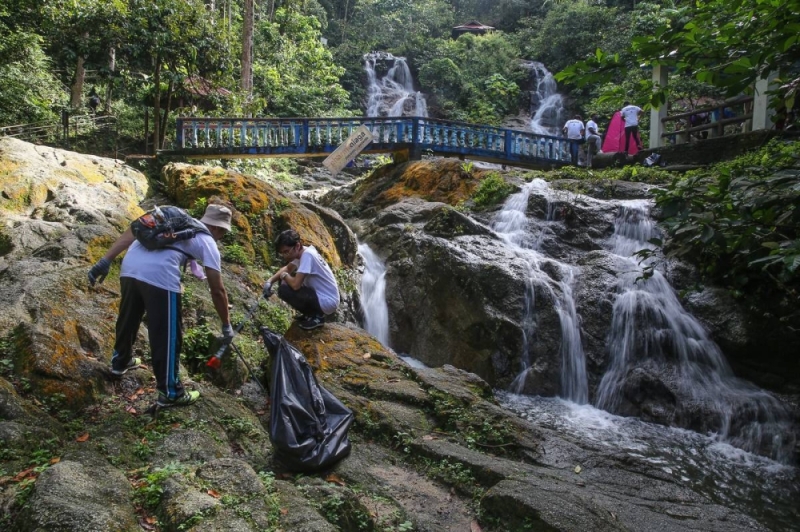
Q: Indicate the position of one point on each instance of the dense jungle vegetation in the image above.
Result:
(306, 60)
(306, 55)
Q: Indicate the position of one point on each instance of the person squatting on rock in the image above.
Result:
(150, 281)
(630, 114)
(306, 281)
(574, 129)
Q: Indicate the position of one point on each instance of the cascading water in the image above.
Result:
(512, 224)
(392, 94)
(651, 334)
(547, 105)
(373, 295)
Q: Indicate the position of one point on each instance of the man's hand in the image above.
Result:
(99, 271)
(227, 333)
(267, 290)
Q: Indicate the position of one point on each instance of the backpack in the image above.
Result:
(164, 226)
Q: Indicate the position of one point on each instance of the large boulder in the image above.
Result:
(60, 210)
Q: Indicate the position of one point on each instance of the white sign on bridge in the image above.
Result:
(348, 150)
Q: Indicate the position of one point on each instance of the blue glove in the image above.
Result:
(99, 271)
(267, 290)
(227, 333)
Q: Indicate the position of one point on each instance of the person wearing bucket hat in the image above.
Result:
(150, 282)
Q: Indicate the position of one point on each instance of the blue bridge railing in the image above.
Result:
(215, 137)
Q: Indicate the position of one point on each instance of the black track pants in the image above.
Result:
(163, 327)
(305, 299)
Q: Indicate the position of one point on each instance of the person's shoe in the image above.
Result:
(311, 322)
(133, 364)
(188, 398)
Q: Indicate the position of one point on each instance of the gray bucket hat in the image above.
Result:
(218, 216)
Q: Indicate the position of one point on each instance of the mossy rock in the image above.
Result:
(442, 180)
(260, 211)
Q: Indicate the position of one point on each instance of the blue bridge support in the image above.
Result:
(216, 138)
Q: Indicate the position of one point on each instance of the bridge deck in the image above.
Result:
(318, 137)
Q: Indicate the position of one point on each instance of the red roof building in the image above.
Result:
(473, 27)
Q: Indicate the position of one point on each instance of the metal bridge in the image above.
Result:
(217, 138)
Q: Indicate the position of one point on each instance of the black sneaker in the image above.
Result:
(133, 364)
(188, 398)
(311, 322)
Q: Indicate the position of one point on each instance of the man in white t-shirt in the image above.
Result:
(150, 281)
(630, 114)
(593, 133)
(307, 282)
(573, 129)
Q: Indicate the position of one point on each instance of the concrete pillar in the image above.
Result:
(762, 114)
(660, 79)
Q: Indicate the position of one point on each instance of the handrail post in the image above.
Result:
(660, 80)
(179, 133)
(507, 149)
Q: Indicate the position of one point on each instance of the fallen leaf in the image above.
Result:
(474, 527)
(176, 425)
(214, 494)
(131, 410)
(367, 356)
(284, 511)
(393, 380)
(150, 520)
(22, 475)
(336, 479)
(428, 437)
(55, 460)
(578, 469)
(83, 437)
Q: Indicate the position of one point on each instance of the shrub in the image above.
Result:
(492, 190)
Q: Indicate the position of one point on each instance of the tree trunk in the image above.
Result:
(247, 49)
(112, 67)
(272, 10)
(166, 114)
(344, 19)
(157, 103)
(76, 91)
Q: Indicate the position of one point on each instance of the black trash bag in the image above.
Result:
(307, 424)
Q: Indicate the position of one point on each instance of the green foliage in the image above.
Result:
(237, 254)
(569, 32)
(28, 90)
(197, 342)
(347, 280)
(240, 426)
(294, 71)
(149, 489)
(276, 316)
(740, 221)
(474, 78)
(492, 190)
(727, 44)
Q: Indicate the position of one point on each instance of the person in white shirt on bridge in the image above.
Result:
(574, 130)
(593, 134)
(630, 114)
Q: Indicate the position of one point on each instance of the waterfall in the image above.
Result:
(373, 295)
(547, 105)
(512, 224)
(392, 94)
(651, 332)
